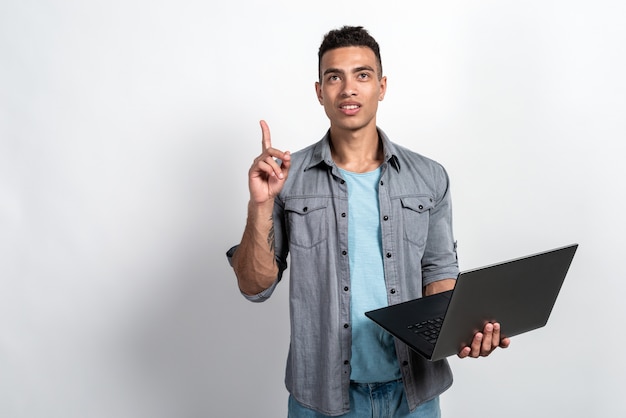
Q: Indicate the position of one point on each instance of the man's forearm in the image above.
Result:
(439, 286)
(254, 260)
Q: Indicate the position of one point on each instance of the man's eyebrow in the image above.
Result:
(333, 71)
(363, 68)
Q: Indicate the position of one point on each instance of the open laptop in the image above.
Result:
(519, 294)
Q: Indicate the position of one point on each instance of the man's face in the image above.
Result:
(349, 88)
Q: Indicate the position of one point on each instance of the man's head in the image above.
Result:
(350, 79)
(349, 36)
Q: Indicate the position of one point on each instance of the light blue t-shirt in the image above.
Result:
(373, 353)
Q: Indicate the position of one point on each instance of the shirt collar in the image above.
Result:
(321, 152)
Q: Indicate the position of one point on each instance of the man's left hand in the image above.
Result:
(484, 343)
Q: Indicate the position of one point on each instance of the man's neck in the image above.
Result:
(356, 151)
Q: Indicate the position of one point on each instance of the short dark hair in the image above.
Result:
(349, 36)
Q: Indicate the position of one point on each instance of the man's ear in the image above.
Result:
(383, 88)
(318, 92)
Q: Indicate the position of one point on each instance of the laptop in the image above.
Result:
(519, 294)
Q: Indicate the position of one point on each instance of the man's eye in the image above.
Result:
(333, 78)
(364, 75)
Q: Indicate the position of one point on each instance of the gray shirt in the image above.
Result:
(311, 226)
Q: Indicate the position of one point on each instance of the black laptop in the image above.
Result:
(519, 294)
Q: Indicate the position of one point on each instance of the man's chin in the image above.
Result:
(350, 125)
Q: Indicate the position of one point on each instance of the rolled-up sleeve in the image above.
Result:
(440, 258)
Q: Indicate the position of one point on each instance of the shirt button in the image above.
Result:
(420, 207)
(393, 291)
(343, 215)
(388, 255)
(343, 181)
(346, 325)
(305, 209)
(346, 288)
(346, 362)
(405, 363)
(385, 218)
(344, 252)
(382, 183)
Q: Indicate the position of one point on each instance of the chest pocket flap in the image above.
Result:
(418, 204)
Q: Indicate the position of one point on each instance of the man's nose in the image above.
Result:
(349, 88)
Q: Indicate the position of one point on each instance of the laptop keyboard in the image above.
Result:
(429, 330)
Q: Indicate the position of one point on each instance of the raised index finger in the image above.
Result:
(266, 139)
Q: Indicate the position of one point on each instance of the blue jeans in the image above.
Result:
(375, 400)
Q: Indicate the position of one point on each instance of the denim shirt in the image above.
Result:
(311, 226)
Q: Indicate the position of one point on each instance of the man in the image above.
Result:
(366, 223)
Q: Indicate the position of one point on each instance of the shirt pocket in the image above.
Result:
(415, 216)
(307, 221)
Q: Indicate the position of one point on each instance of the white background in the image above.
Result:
(126, 132)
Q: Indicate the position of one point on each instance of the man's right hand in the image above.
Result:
(266, 178)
